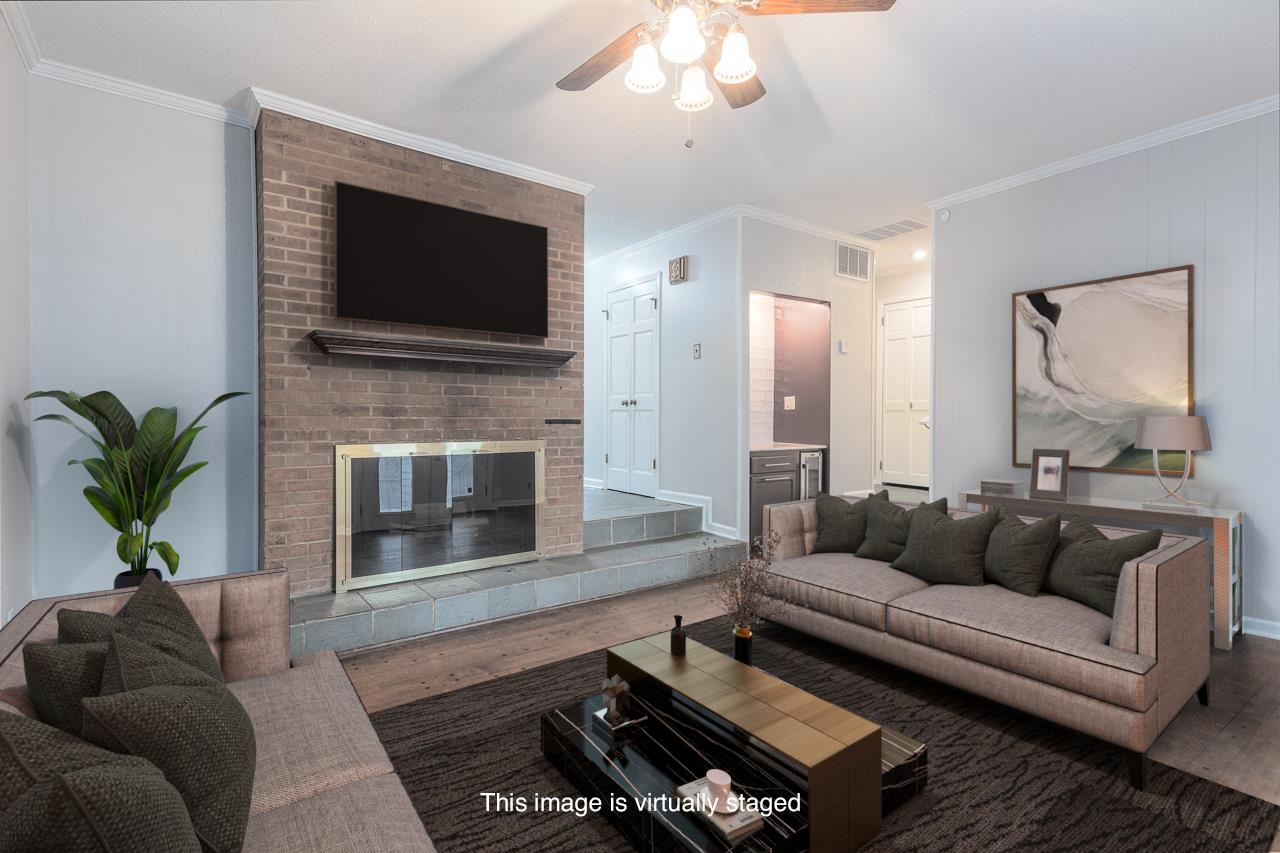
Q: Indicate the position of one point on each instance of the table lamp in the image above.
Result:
(1187, 433)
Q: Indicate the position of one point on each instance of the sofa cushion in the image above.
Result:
(1047, 638)
(843, 585)
(59, 675)
(941, 549)
(59, 793)
(842, 524)
(1086, 565)
(313, 734)
(185, 722)
(154, 614)
(1018, 553)
(887, 528)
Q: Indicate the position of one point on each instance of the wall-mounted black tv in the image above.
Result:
(400, 260)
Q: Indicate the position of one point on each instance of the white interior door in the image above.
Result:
(631, 457)
(906, 359)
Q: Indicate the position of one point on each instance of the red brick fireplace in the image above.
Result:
(311, 401)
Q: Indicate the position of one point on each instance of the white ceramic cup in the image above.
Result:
(718, 786)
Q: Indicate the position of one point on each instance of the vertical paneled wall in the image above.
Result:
(1212, 200)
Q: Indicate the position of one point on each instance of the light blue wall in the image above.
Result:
(1212, 200)
(143, 283)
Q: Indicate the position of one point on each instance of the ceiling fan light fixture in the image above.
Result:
(683, 42)
(694, 95)
(645, 75)
(736, 64)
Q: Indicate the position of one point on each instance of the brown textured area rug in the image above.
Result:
(998, 779)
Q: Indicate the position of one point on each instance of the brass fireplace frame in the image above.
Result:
(344, 453)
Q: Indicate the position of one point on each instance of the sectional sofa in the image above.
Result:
(1121, 679)
(323, 781)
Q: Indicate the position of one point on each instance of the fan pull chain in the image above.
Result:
(688, 143)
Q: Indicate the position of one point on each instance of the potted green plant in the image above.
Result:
(138, 466)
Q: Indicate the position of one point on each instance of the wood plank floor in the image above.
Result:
(1235, 741)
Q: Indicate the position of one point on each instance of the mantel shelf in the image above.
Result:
(420, 349)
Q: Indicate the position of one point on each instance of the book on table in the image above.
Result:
(733, 826)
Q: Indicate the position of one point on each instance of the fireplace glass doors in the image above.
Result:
(408, 511)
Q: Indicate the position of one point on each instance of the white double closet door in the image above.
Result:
(631, 458)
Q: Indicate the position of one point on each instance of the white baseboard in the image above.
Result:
(704, 502)
(1262, 628)
(592, 483)
(722, 530)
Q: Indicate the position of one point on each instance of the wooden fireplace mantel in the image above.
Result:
(425, 349)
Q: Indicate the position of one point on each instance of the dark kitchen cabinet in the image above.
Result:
(775, 479)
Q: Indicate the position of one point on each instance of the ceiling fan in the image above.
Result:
(703, 36)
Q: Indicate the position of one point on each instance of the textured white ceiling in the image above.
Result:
(867, 116)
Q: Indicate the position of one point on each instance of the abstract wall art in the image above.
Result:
(1089, 359)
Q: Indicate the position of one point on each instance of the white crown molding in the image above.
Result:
(738, 210)
(20, 28)
(258, 100)
(1150, 140)
(137, 91)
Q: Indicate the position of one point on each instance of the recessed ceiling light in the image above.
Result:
(919, 255)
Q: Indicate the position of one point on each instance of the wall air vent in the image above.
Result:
(893, 229)
(853, 262)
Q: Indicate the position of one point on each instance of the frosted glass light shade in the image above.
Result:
(645, 75)
(736, 64)
(694, 94)
(683, 43)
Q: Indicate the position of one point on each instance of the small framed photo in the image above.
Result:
(1049, 470)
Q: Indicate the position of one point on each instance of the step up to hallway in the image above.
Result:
(382, 614)
(618, 518)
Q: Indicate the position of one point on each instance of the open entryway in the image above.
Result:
(906, 367)
(631, 374)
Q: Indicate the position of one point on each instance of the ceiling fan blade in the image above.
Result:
(805, 7)
(738, 95)
(618, 52)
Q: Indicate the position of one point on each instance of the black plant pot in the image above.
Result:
(742, 648)
(128, 580)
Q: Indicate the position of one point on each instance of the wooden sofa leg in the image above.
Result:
(1137, 762)
(1203, 693)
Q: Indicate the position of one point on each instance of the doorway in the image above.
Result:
(905, 418)
(631, 377)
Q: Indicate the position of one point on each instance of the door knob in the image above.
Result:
(626, 402)
(633, 402)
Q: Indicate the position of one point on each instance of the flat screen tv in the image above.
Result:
(400, 260)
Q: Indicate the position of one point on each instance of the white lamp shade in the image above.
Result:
(683, 43)
(694, 94)
(736, 64)
(645, 75)
(1173, 432)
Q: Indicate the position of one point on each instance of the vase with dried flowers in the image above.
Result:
(748, 593)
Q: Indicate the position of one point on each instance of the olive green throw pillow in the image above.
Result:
(842, 524)
(1018, 553)
(942, 549)
(186, 723)
(59, 675)
(888, 526)
(59, 793)
(156, 615)
(1086, 565)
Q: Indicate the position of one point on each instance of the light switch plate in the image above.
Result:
(789, 403)
(844, 347)
(697, 350)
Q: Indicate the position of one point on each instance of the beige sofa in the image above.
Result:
(323, 780)
(1121, 679)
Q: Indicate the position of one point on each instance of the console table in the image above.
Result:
(1222, 527)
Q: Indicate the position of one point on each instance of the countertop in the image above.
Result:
(778, 445)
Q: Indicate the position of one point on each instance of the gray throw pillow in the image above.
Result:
(942, 549)
(59, 793)
(842, 524)
(186, 723)
(888, 526)
(1086, 565)
(156, 615)
(1018, 553)
(59, 675)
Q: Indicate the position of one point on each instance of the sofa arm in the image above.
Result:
(796, 523)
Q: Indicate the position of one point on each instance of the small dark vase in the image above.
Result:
(677, 639)
(742, 645)
(128, 580)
